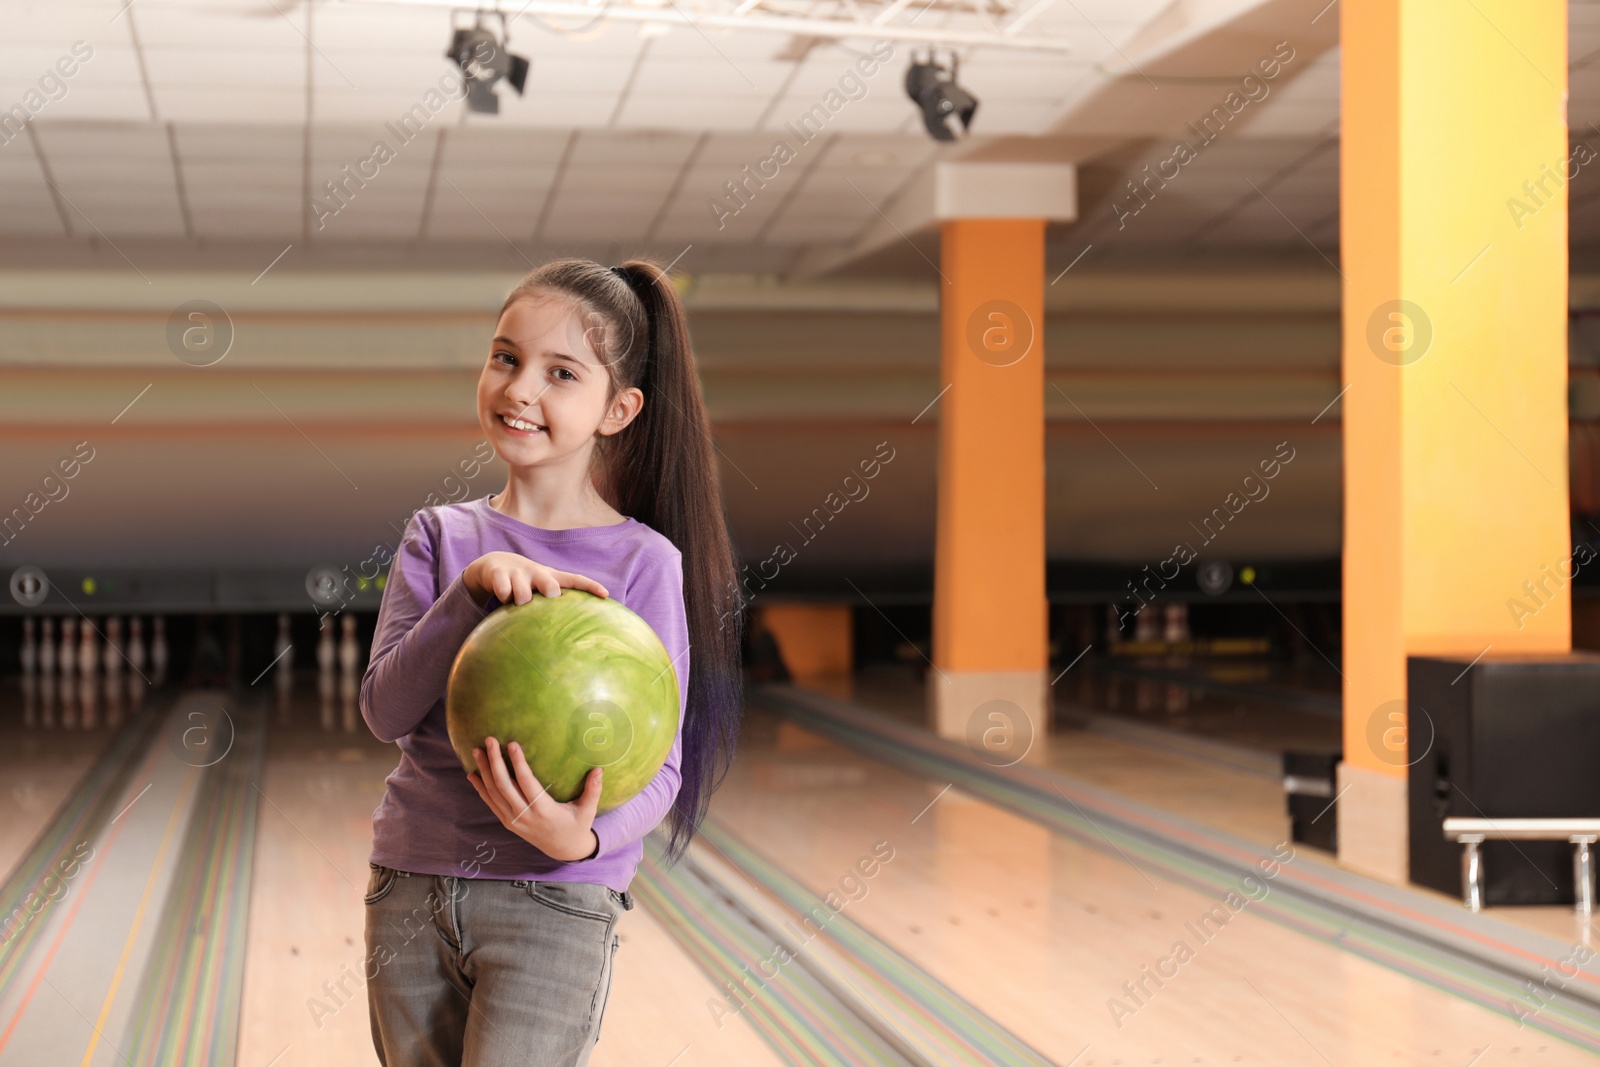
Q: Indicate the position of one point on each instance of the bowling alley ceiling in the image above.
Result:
(195, 133)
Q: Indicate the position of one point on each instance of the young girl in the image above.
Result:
(492, 908)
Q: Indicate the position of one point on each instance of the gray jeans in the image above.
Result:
(473, 972)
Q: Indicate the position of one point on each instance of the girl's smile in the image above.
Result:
(519, 426)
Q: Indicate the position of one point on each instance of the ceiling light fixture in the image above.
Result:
(484, 61)
(934, 90)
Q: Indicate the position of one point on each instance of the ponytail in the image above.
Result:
(661, 471)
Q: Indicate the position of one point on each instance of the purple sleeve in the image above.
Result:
(418, 635)
(655, 595)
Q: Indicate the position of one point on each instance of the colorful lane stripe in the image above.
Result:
(80, 819)
(1475, 957)
(186, 1010)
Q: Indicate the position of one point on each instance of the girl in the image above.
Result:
(491, 909)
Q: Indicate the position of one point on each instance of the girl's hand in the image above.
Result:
(513, 579)
(560, 831)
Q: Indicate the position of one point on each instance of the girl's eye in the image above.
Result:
(508, 357)
(565, 374)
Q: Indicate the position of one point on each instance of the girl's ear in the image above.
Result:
(624, 408)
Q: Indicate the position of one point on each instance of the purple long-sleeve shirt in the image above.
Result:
(431, 820)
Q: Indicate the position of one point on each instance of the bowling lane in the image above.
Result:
(304, 997)
(78, 685)
(1058, 941)
(72, 979)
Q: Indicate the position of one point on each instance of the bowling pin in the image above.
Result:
(30, 648)
(88, 650)
(47, 672)
(349, 656)
(325, 676)
(67, 657)
(136, 661)
(1175, 624)
(88, 668)
(1146, 627)
(67, 665)
(112, 663)
(30, 668)
(283, 656)
(112, 659)
(158, 652)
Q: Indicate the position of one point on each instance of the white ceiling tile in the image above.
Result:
(226, 31)
(813, 229)
(567, 75)
(105, 141)
(210, 141)
(233, 222)
(232, 105)
(55, 25)
(676, 111)
(632, 148)
(707, 76)
(202, 67)
(93, 102)
(557, 110)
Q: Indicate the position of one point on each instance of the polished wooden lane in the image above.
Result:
(1191, 786)
(1075, 948)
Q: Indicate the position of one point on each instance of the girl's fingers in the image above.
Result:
(509, 794)
(500, 581)
(530, 785)
(578, 581)
(545, 579)
(589, 799)
(521, 587)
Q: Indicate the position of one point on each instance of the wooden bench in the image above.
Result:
(1582, 833)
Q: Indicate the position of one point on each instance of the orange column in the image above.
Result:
(990, 622)
(1453, 225)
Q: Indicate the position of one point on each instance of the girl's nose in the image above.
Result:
(523, 392)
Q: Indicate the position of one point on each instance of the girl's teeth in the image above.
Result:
(518, 424)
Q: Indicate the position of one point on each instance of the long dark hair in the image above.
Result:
(661, 471)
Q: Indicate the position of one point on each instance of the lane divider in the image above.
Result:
(1476, 957)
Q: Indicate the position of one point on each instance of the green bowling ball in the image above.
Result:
(579, 681)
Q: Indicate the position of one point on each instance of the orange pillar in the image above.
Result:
(1453, 218)
(990, 622)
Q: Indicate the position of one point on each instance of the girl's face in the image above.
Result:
(545, 394)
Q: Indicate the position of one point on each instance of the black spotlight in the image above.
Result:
(935, 91)
(484, 61)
